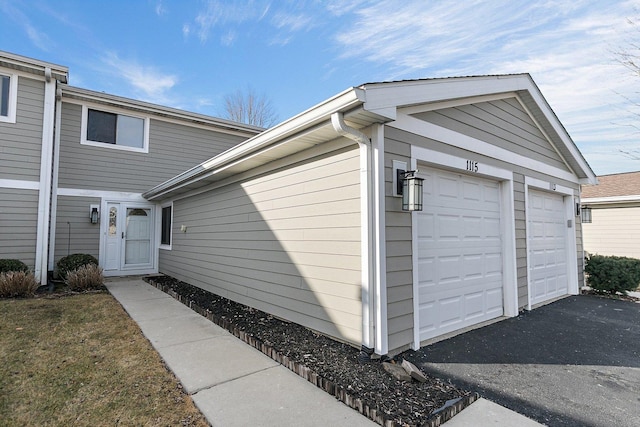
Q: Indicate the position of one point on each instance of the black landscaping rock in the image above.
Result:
(330, 365)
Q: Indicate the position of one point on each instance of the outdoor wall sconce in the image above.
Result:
(411, 190)
(94, 215)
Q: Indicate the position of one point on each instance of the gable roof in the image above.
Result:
(613, 187)
(363, 106)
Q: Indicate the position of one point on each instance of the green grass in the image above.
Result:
(80, 360)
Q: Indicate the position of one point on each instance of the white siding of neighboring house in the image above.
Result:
(613, 230)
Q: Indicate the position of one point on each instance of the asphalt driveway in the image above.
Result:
(575, 362)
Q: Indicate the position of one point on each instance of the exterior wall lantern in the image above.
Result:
(94, 214)
(411, 190)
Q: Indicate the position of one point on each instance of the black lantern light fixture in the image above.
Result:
(411, 191)
(94, 216)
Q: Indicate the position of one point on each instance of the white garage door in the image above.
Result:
(547, 231)
(459, 252)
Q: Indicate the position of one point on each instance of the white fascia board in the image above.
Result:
(33, 66)
(610, 199)
(551, 117)
(384, 97)
(344, 101)
(76, 95)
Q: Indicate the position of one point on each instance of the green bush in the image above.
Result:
(7, 265)
(73, 262)
(87, 277)
(18, 284)
(612, 274)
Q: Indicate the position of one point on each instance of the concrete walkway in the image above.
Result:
(234, 384)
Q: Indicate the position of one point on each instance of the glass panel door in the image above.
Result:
(137, 245)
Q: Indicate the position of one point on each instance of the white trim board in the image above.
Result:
(456, 139)
(114, 195)
(16, 184)
(507, 219)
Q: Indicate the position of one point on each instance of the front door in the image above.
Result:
(128, 239)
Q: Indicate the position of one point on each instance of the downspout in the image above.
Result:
(368, 243)
(54, 181)
(44, 193)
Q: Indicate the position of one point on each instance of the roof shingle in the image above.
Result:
(620, 184)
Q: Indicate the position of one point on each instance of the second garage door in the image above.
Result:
(459, 252)
(547, 246)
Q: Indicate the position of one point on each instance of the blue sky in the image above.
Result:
(189, 54)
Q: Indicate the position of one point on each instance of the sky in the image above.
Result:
(189, 54)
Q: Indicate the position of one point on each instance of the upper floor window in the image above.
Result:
(8, 97)
(115, 130)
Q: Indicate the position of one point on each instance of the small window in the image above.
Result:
(585, 214)
(119, 131)
(165, 233)
(8, 97)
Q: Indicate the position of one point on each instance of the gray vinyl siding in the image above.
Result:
(20, 142)
(399, 253)
(521, 238)
(285, 241)
(399, 236)
(74, 232)
(173, 148)
(503, 123)
(18, 222)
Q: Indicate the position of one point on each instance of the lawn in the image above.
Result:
(80, 360)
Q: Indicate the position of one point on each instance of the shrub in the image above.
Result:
(7, 265)
(87, 277)
(17, 284)
(73, 262)
(612, 274)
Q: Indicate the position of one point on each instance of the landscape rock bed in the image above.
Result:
(330, 365)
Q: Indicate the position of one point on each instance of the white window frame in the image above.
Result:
(161, 245)
(123, 112)
(13, 98)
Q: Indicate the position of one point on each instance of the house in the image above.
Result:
(611, 215)
(306, 221)
(321, 220)
(66, 152)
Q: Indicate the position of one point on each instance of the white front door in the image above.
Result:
(459, 252)
(128, 247)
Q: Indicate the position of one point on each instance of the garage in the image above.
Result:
(459, 252)
(547, 234)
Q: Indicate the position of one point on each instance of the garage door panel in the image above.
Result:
(459, 251)
(547, 246)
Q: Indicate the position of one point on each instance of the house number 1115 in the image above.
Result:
(472, 166)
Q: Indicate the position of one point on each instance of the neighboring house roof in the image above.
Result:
(85, 95)
(33, 66)
(363, 106)
(611, 188)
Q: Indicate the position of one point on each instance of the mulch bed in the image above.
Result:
(330, 365)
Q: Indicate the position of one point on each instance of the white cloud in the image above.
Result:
(38, 37)
(566, 46)
(160, 8)
(147, 83)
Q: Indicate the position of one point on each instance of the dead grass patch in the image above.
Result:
(80, 360)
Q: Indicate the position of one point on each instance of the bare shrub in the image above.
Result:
(17, 284)
(85, 278)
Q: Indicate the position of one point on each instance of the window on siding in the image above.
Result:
(118, 130)
(8, 98)
(585, 214)
(165, 233)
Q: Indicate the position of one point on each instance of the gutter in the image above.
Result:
(309, 118)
